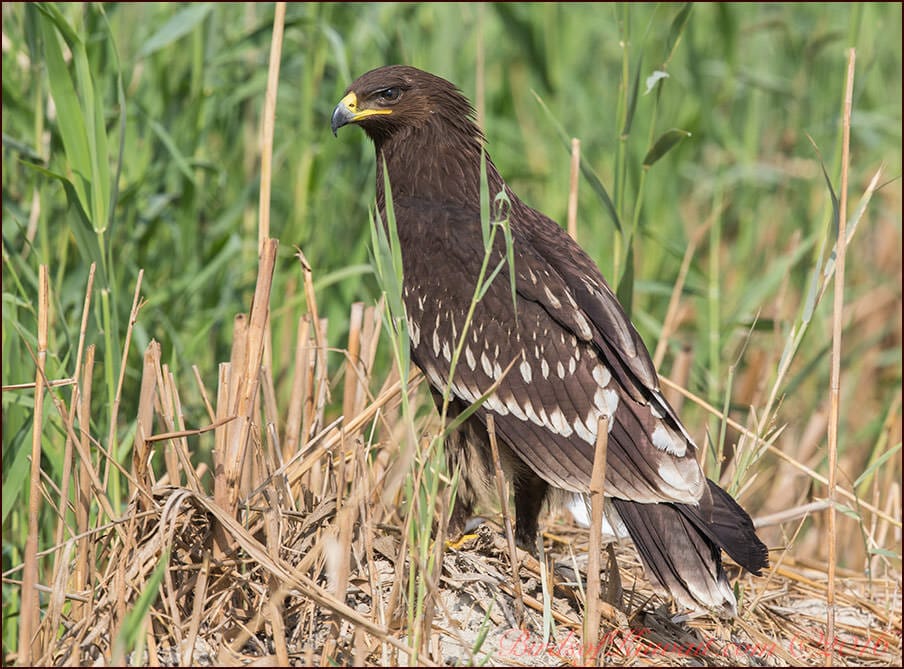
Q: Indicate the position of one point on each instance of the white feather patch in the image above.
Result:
(495, 404)
(436, 344)
(581, 428)
(666, 440)
(583, 326)
(532, 415)
(560, 423)
(515, 408)
(686, 485)
(486, 365)
(606, 401)
(602, 375)
(525, 370)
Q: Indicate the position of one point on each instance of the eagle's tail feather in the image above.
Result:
(725, 523)
(677, 557)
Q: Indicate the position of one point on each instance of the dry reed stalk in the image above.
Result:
(268, 124)
(670, 322)
(249, 376)
(29, 612)
(203, 392)
(480, 72)
(237, 353)
(370, 341)
(816, 476)
(590, 647)
(295, 411)
(165, 410)
(60, 557)
(321, 373)
(30, 385)
(319, 326)
(681, 372)
(368, 524)
(352, 364)
(319, 386)
(182, 450)
(137, 303)
(276, 595)
(346, 517)
(268, 118)
(837, 325)
(84, 564)
(502, 491)
(74, 402)
(141, 452)
(273, 455)
(574, 179)
(194, 621)
(221, 543)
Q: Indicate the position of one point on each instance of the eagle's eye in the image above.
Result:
(389, 95)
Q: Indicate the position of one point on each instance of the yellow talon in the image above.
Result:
(461, 541)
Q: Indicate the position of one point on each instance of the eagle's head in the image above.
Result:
(397, 98)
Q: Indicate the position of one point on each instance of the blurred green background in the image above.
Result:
(130, 139)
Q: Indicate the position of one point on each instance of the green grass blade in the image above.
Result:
(663, 144)
(178, 26)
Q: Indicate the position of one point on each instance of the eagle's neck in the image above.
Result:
(448, 164)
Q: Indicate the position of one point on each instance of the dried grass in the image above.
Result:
(295, 573)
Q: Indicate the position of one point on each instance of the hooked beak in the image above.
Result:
(347, 112)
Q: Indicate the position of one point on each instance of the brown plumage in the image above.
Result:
(576, 355)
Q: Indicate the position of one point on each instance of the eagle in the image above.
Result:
(552, 337)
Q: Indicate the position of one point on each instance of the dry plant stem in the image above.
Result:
(291, 442)
(267, 125)
(480, 72)
(28, 385)
(671, 313)
(74, 398)
(837, 326)
(816, 476)
(114, 413)
(74, 409)
(573, 188)
(502, 490)
(29, 615)
(203, 392)
(266, 139)
(194, 624)
(182, 449)
(141, 451)
(590, 646)
(249, 377)
(350, 390)
(85, 566)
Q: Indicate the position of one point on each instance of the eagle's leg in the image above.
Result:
(530, 493)
(468, 454)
